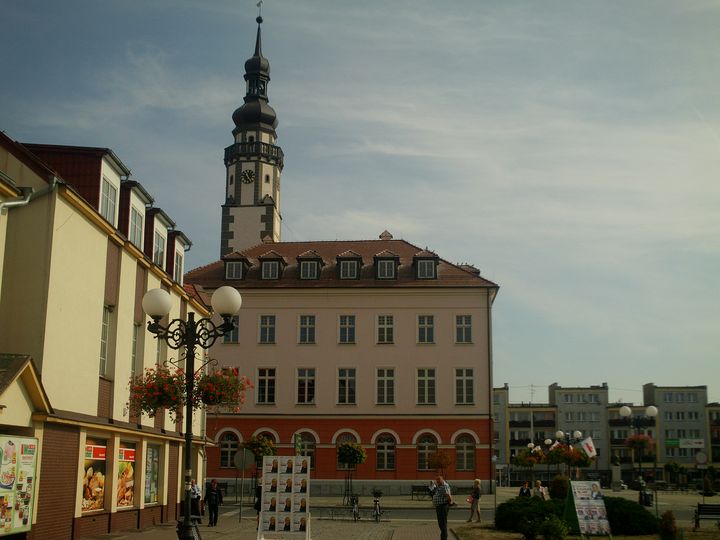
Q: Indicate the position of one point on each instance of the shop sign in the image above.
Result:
(692, 443)
(18, 461)
(93, 451)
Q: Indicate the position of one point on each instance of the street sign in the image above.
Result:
(701, 458)
(244, 459)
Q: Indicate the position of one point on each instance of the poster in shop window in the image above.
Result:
(93, 485)
(126, 475)
(285, 501)
(18, 462)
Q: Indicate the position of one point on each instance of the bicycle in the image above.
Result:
(355, 508)
(377, 511)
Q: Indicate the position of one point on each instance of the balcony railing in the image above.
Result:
(519, 442)
(519, 423)
(544, 423)
(270, 152)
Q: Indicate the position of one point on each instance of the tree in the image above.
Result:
(440, 461)
(260, 446)
(351, 453)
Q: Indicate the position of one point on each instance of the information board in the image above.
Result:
(590, 508)
(18, 462)
(285, 502)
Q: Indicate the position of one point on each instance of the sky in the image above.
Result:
(569, 150)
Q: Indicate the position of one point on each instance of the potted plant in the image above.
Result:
(222, 387)
(157, 389)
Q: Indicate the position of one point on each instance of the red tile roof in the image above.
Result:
(449, 275)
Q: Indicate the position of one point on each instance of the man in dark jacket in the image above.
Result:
(213, 499)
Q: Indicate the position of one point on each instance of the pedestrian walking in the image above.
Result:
(442, 499)
(213, 499)
(258, 500)
(474, 501)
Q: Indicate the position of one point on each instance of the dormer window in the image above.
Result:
(159, 250)
(270, 269)
(348, 270)
(233, 270)
(136, 227)
(386, 269)
(108, 200)
(426, 269)
(308, 270)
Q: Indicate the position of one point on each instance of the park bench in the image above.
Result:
(421, 490)
(706, 511)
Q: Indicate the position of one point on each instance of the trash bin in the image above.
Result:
(645, 498)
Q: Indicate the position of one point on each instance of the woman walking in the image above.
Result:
(474, 501)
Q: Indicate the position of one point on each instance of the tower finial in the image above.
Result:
(259, 17)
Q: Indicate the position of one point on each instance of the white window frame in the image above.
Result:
(386, 268)
(463, 328)
(233, 270)
(108, 200)
(270, 269)
(385, 452)
(267, 325)
(178, 269)
(426, 269)
(426, 329)
(346, 386)
(385, 330)
(159, 242)
(105, 340)
(346, 329)
(348, 269)
(266, 386)
(136, 227)
(308, 269)
(234, 336)
(306, 329)
(426, 386)
(384, 385)
(305, 386)
(464, 386)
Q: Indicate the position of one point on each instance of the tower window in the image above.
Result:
(232, 178)
(267, 178)
(251, 139)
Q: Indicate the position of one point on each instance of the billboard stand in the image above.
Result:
(285, 501)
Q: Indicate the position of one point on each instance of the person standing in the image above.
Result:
(442, 499)
(539, 490)
(195, 500)
(213, 499)
(525, 490)
(474, 501)
(258, 502)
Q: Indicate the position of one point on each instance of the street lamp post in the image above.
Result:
(569, 439)
(538, 449)
(225, 301)
(637, 422)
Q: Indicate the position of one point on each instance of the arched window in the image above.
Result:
(228, 448)
(465, 453)
(307, 446)
(342, 438)
(267, 435)
(426, 446)
(385, 452)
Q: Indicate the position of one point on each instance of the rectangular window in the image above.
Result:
(348, 270)
(266, 385)
(126, 475)
(346, 386)
(385, 329)
(306, 385)
(234, 334)
(178, 270)
(426, 386)
(267, 329)
(464, 386)
(347, 329)
(94, 467)
(426, 326)
(137, 330)
(307, 329)
(569, 417)
(159, 250)
(152, 474)
(385, 386)
(105, 340)
(270, 269)
(463, 329)
(233, 270)
(107, 201)
(426, 269)
(308, 270)
(136, 227)
(386, 269)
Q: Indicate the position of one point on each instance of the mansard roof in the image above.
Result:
(448, 274)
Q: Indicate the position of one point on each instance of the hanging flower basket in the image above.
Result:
(157, 389)
(222, 388)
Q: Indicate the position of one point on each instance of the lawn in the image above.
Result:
(473, 532)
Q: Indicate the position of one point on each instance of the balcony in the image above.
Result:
(544, 423)
(519, 423)
(270, 152)
(519, 442)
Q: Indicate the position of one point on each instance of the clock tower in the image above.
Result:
(251, 212)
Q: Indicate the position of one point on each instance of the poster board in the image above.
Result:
(285, 501)
(590, 508)
(18, 464)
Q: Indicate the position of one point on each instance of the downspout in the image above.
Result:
(22, 200)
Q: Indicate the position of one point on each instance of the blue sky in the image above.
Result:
(570, 150)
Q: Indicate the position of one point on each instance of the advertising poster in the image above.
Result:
(285, 497)
(590, 508)
(126, 475)
(152, 473)
(18, 461)
(93, 490)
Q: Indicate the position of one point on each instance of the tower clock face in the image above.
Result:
(247, 177)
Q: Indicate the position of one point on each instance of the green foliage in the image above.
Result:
(260, 446)
(559, 487)
(526, 514)
(351, 453)
(526, 458)
(668, 529)
(628, 517)
(639, 442)
(553, 528)
(440, 461)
